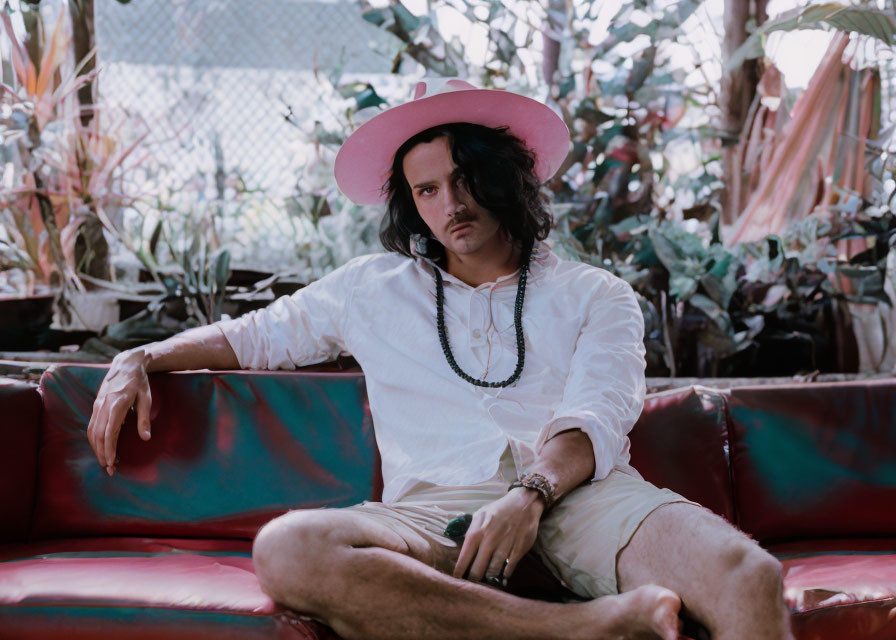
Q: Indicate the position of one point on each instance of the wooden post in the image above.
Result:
(91, 248)
(738, 89)
(551, 45)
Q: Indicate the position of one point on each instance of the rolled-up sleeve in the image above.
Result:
(605, 389)
(293, 331)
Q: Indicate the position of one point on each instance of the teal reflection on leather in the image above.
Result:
(129, 554)
(48, 615)
(796, 463)
(223, 445)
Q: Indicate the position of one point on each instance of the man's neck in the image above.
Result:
(479, 268)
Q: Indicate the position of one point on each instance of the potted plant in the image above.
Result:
(62, 172)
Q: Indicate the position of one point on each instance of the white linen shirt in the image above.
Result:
(584, 361)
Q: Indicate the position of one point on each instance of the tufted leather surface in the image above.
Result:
(681, 443)
(814, 461)
(140, 588)
(20, 411)
(874, 620)
(182, 509)
(229, 451)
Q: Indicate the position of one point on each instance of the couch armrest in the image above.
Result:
(681, 443)
(20, 413)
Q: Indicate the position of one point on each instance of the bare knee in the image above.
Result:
(754, 573)
(755, 565)
(289, 554)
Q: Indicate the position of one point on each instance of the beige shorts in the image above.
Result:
(579, 540)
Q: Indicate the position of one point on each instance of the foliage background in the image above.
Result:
(641, 193)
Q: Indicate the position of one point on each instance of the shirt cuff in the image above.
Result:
(249, 342)
(606, 443)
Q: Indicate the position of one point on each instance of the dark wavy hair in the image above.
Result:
(499, 171)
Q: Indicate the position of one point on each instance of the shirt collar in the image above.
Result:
(542, 259)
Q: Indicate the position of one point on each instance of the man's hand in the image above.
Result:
(503, 530)
(125, 386)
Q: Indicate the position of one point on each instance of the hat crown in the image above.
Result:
(429, 87)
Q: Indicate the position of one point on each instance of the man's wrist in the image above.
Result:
(539, 485)
(529, 500)
(138, 356)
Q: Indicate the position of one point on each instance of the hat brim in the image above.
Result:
(364, 162)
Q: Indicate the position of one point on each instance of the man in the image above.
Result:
(502, 383)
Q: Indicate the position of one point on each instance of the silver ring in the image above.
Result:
(496, 581)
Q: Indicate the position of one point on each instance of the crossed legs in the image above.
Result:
(356, 575)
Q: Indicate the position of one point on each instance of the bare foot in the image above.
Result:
(646, 612)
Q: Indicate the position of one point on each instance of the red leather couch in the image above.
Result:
(162, 549)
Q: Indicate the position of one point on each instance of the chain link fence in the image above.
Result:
(227, 93)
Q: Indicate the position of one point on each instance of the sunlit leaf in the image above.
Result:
(52, 58)
(404, 18)
(666, 26)
(715, 313)
(376, 16)
(720, 282)
(222, 269)
(682, 287)
(865, 20)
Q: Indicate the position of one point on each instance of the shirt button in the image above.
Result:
(477, 333)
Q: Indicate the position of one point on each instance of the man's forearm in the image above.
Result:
(199, 348)
(567, 460)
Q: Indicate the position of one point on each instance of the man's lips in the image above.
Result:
(461, 226)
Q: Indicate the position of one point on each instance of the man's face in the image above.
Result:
(444, 202)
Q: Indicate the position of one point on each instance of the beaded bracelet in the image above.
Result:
(538, 482)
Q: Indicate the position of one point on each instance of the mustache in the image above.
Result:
(461, 217)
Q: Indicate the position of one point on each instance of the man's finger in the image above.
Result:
(113, 428)
(144, 404)
(99, 430)
(513, 559)
(91, 428)
(110, 442)
(496, 566)
(482, 559)
(467, 553)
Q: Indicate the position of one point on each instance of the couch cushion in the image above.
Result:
(681, 442)
(180, 593)
(229, 451)
(21, 408)
(814, 460)
(839, 592)
(90, 584)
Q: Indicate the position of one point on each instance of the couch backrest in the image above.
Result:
(814, 460)
(229, 451)
(680, 442)
(20, 411)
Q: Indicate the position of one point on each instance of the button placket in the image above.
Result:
(478, 313)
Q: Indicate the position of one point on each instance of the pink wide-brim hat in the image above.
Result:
(364, 162)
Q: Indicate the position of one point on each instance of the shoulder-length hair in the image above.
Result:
(499, 171)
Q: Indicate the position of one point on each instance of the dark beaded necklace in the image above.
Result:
(517, 324)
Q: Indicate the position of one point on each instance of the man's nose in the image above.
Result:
(453, 200)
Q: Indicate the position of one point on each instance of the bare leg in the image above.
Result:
(727, 581)
(365, 581)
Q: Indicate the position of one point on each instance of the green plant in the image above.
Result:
(61, 170)
(623, 200)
